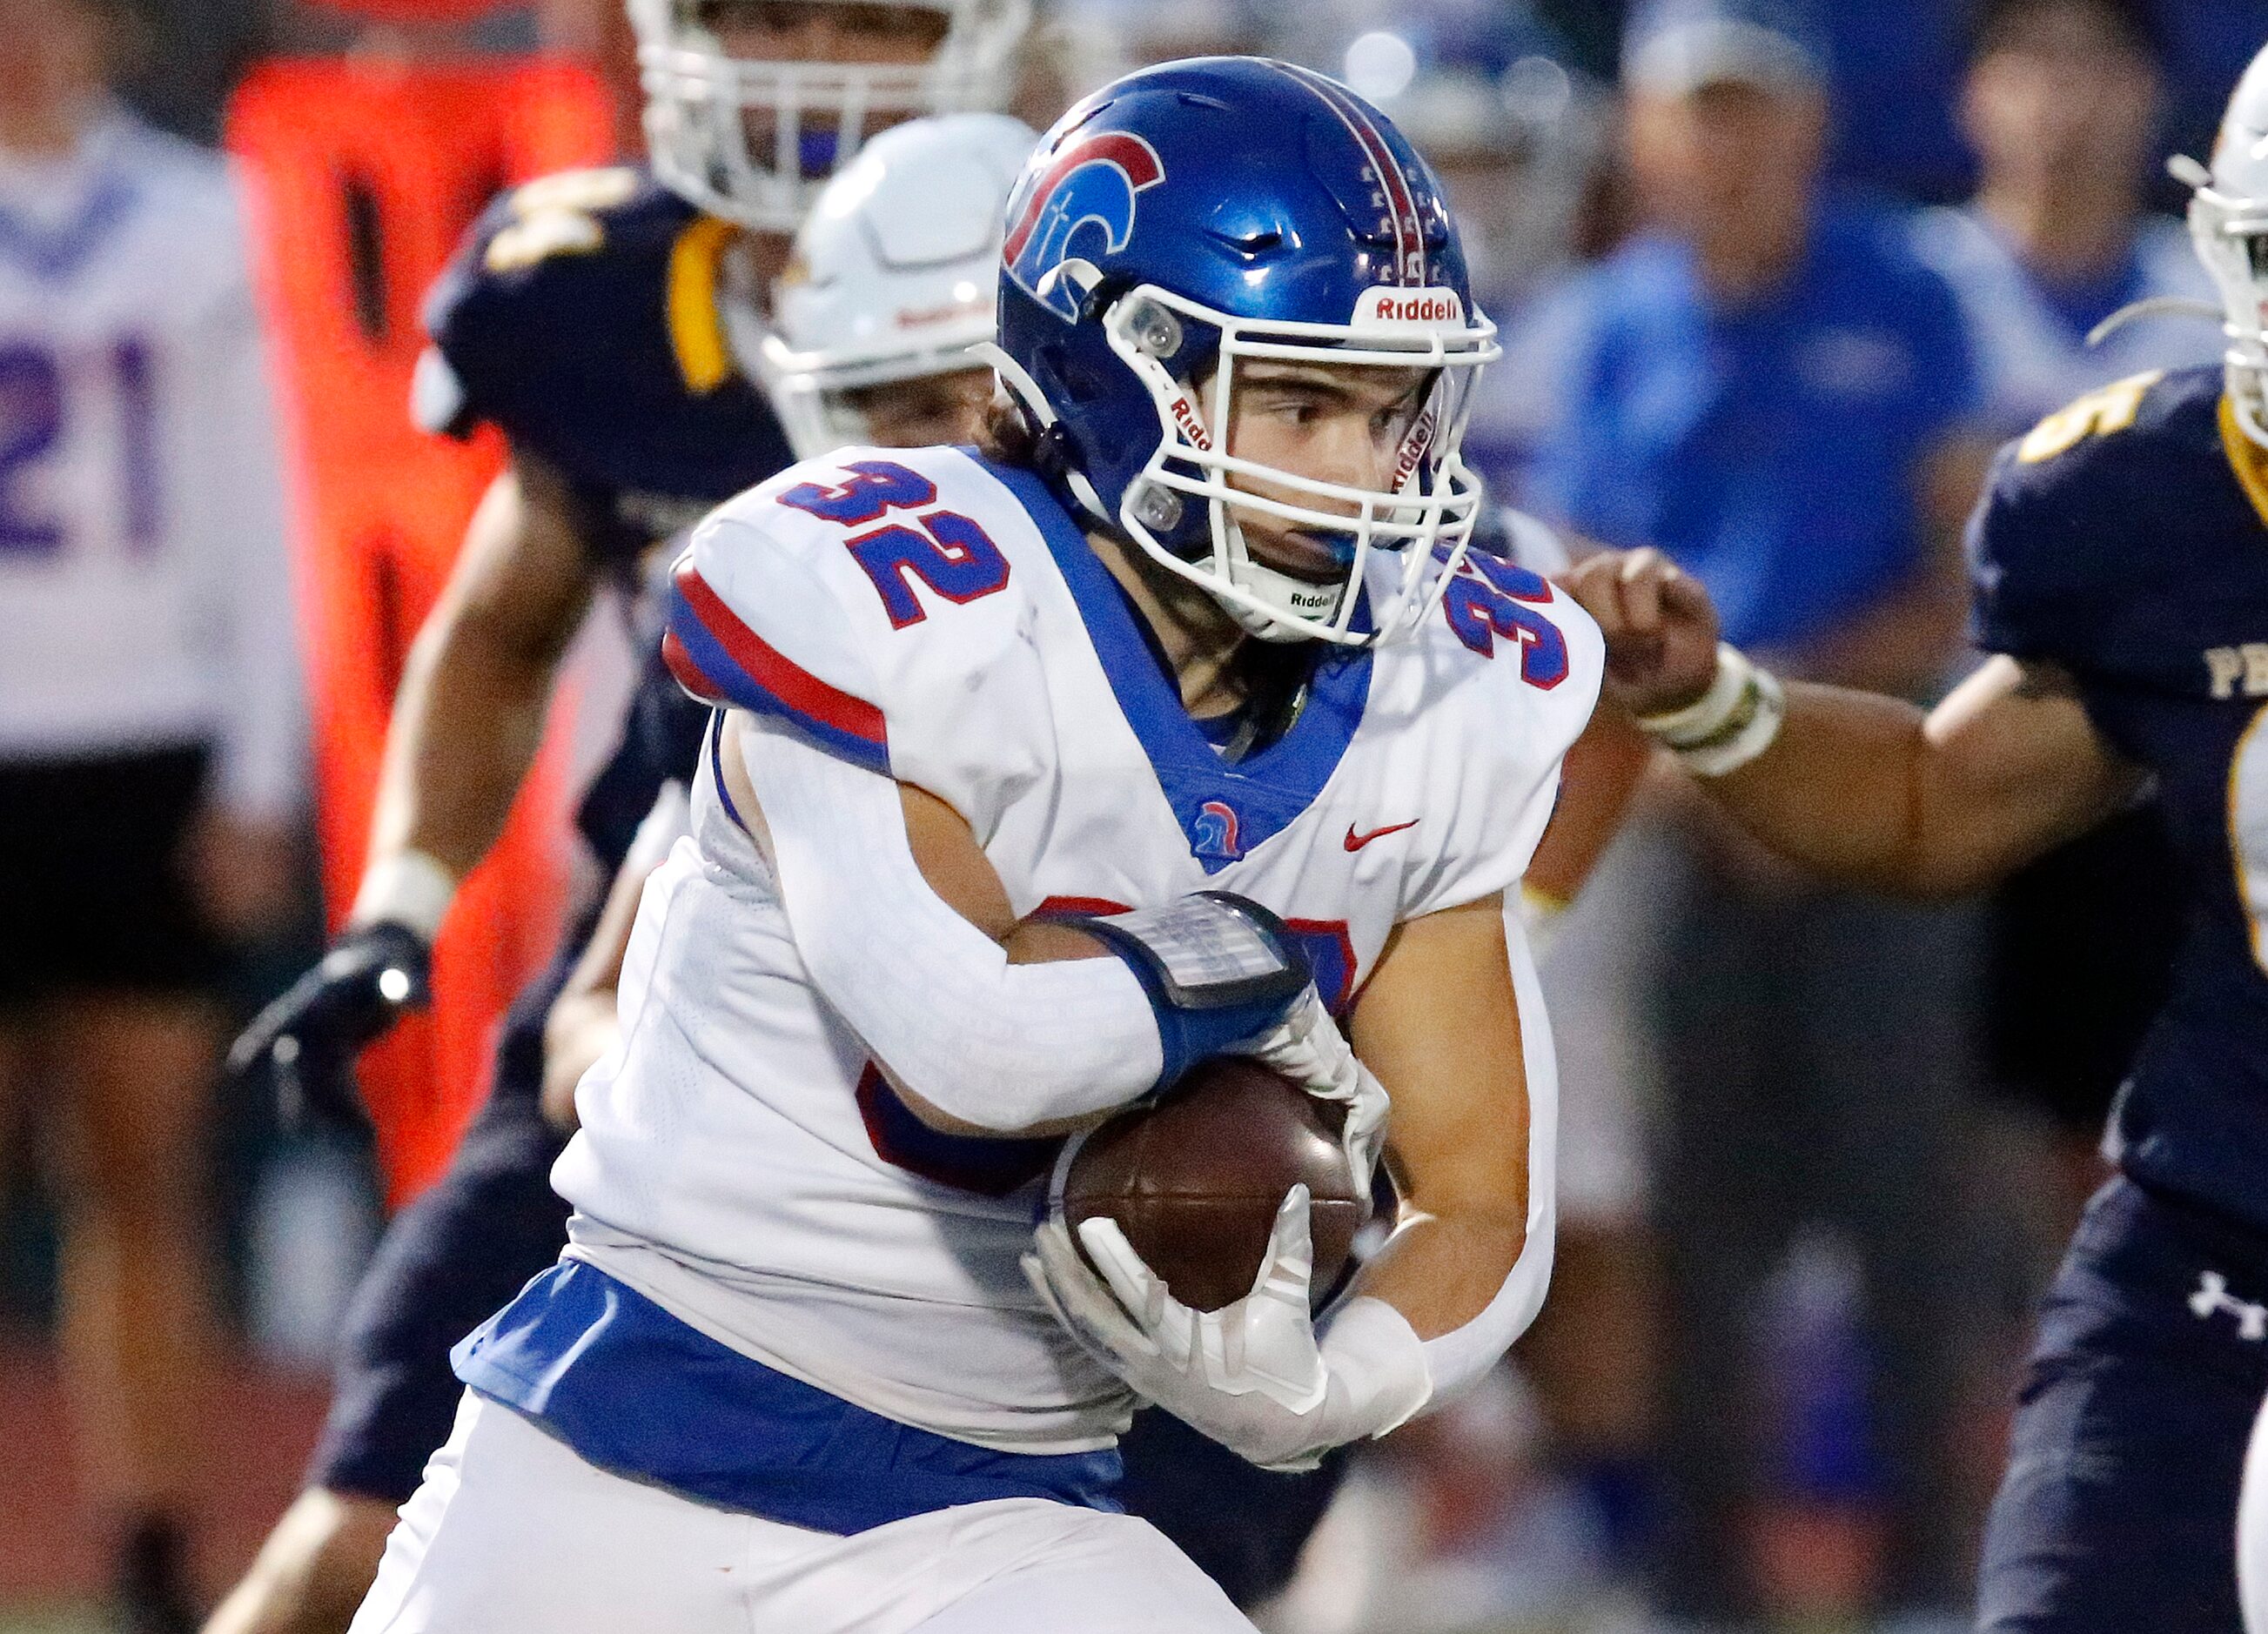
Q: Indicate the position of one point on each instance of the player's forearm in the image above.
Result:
(1602, 770)
(1869, 792)
(466, 728)
(972, 1040)
(1472, 1139)
(1842, 790)
(1442, 1270)
(469, 717)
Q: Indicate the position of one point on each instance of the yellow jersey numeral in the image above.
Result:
(557, 215)
(2098, 413)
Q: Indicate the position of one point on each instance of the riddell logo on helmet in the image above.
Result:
(1381, 306)
(1185, 416)
(1415, 447)
(921, 318)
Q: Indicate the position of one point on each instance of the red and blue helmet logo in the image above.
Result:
(1087, 192)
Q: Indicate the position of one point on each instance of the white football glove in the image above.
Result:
(1250, 1375)
(1308, 1047)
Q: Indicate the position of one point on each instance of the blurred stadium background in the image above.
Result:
(1574, 1494)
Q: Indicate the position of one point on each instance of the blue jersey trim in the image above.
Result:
(57, 253)
(1225, 811)
(635, 1391)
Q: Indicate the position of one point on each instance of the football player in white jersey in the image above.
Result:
(1170, 725)
(871, 344)
(151, 734)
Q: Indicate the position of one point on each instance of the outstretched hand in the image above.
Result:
(309, 1038)
(1659, 625)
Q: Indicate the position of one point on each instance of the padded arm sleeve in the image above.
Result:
(997, 1046)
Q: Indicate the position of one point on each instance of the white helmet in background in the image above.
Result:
(896, 273)
(2228, 221)
(752, 141)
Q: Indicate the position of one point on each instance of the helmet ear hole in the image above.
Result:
(1082, 384)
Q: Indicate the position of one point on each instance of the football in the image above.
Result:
(1195, 1179)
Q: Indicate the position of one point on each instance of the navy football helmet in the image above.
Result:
(1200, 214)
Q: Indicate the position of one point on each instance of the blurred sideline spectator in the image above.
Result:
(150, 736)
(1768, 385)
(2062, 105)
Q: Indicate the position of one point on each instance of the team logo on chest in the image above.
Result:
(1213, 834)
(1088, 193)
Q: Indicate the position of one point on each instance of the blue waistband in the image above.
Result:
(635, 1391)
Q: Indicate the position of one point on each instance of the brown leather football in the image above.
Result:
(1195, 1179)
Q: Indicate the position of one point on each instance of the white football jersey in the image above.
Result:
(145, 585)
(925, 614)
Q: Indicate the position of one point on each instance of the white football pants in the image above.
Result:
(512, 1532)
(2252, 1531)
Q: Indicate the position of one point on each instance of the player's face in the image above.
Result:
(943, 408)
(801, 31)
(1343, 424)
(1728, 157)
(2060, 94)
(51, 62)
(795, 31)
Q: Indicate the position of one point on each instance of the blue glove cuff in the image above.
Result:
(1218, 969)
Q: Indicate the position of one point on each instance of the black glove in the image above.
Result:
(309, 1038)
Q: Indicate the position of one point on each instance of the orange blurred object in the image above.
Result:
(366, 173)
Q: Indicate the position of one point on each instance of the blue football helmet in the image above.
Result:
(1200, 214)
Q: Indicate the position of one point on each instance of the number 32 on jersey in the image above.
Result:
(957, 559)
(944, 551)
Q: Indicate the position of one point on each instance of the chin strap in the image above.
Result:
(1256, 579)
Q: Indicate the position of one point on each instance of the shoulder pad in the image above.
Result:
(1509, 668)
(796, 599)
(2073, 508)
(579, 317)
(1527, 656)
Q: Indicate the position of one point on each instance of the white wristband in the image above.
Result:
(1736, 720)
(1706, 715)
(408, 888)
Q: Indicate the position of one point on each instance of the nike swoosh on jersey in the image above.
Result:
(1356, 841)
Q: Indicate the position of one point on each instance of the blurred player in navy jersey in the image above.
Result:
(2063, 104)
(2120, 562)
(150, 732)
(597, 319)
